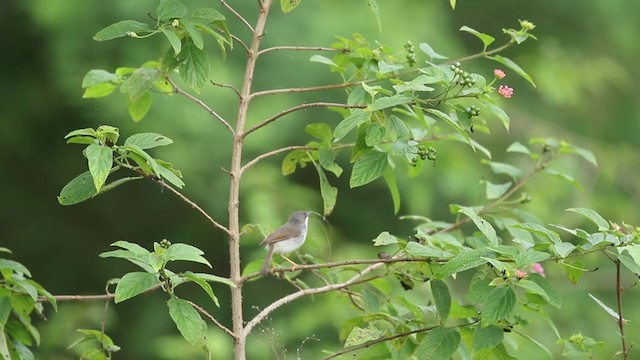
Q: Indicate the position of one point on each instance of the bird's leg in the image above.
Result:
(290, 261)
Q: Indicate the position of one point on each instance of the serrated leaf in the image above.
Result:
(375, 134)
(148, 140)
(465, 260)
(355, 119)
(120, 29)
(360, 335)
(140, 82)
(288, 6)
(530, 256)
(100, 159)
(174, 40)
(389, 101)
(185, 252)
(385, 238)
(188, 321)
(540, 230)
(563, 248)
(134, 283)
(498, 305)
(484, 226)
(487, 337)
(427, 49)
(170, 9)
(513, 66)
(486, 39)
(439, 344)
(139, 108)
(574, 270)
(97, 76)
(194, 34)
(442, 298)
(368, 168)
(593, 216)
(194, 70)
(553, 296)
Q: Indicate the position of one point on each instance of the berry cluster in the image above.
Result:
(425, 153)
(472, 111)
(411, 53)
(165, 243)
(464, 78)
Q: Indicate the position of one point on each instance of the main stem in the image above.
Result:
(235, 174)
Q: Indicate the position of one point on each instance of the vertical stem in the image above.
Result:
(235, 174)
(620, 317)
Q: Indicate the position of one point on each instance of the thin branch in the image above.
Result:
(201, 103)
(191, 203)
(204, 312)
(287, 149)
(482, 53)
(357, 279)
(298, 48)
(228, 86)
(237, 14)
(79, 298)
(296, 108)
(239, 41)
(625, 352)
(306, 89)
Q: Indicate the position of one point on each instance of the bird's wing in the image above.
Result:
(283, 233)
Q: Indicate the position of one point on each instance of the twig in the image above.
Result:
(357, 279)
(298, 48)
(79, 297)
(625, 352)
(228, 86)
(296, 108)
(239, 41)
(306, 89)
(191, 203)
(287, 149)
(204, 312)
(481, 54)
(212, 112)
(237, 14)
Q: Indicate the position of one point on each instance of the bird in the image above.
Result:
(286, 238)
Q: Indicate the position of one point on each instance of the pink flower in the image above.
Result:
(499, 74)
(521, 274)
(537, 267)
(505, 91)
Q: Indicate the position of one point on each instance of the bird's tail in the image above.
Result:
(266, 266)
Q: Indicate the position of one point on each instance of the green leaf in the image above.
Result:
(538, 343)
(439, 344)
(572, 149)
(134, 283)
(392, 184)
(100, 160)
(120, 29)
(519, 148)
(326, 158)
(540, 230)
(206, 15)
(530, 256)
(502, 168)
(609, 310)
(97, 76)
(453, 4)
(329, 193)
(389, 101)
(563, 248)
(385, 238)
(148, 140)
(4, 349)
(79, 189)
(218, 279)
(593, 216)
(442, 298)
(427, 49)
(139, 108)
(368, 168)
(14, 266)
(195, 67)
(574, 270)
(287, 6)
(170, 9)
(486, 39)
(451, 122)
(494, 191)
(140, 82)
(498, 305)
(356, 118)
(487, 337)
(98, 91)
(465, 260)
(185, 252)
(204, 285)
(194, 34)
(553, 296)
(175, 41)
(485, 228)
(499, 113)
(188, 321)
(359, 335)
(375, 134)
(513, 66)
(375, 9)
(320, 131)
(322, 60)
(568, 178)
(166, 170)
(5, 310)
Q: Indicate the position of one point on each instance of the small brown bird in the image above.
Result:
(286, 238)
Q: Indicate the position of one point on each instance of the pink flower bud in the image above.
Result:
(521, 274)
(537, 267)
(505, 91)
(499, 73)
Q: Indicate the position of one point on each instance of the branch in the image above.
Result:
(287, 149)
(625, 352)
(59, 298)
(299, 107)
(482, 53)
(237, 14)
(306, 89)
(386, 338)
(228, 86)
(357, 279)
(201, 103)
(239, 41)
(298, 48)
(204, 312)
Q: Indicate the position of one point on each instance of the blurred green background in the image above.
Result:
(585, 66)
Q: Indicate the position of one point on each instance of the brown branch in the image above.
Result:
(298, 48)
(299, 107)
(287, 149)
(204, 312)
(239, 41)
(212, 112)
(306, 89)
(59, 298)
(625, 352)
(237, 14)
(228, 86)
(481, 54)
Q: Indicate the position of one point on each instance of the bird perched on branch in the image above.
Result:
(286, 238)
